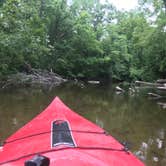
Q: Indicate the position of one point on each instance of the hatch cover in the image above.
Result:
(61, 134)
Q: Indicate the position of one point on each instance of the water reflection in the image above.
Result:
(128, 117)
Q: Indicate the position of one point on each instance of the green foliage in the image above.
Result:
(84, 39)
(22, 36)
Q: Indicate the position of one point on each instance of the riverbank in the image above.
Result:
(36, 77)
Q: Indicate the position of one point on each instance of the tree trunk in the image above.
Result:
(164, 1)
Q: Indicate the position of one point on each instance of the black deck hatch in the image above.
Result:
(61, 134)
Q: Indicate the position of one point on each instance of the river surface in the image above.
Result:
(132, 118)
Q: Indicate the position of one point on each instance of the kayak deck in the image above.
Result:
(65, 138)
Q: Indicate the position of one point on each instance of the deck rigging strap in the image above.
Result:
(65, 148)
(47, 132)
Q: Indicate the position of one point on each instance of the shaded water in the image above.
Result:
(131, 118)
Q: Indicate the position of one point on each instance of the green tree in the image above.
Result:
(22, 36)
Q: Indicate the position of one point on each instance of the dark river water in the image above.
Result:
(133, 118)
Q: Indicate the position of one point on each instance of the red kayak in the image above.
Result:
(60, 137)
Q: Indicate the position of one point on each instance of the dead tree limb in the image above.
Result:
(147, 83)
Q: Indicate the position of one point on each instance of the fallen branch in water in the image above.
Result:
(119, 89)
(147, 83)
(163, 105)
(161, 88)
(154, 95)
(161, 81)
(5, 85)
(94, 82)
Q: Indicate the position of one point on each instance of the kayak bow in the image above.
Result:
(60, 137)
